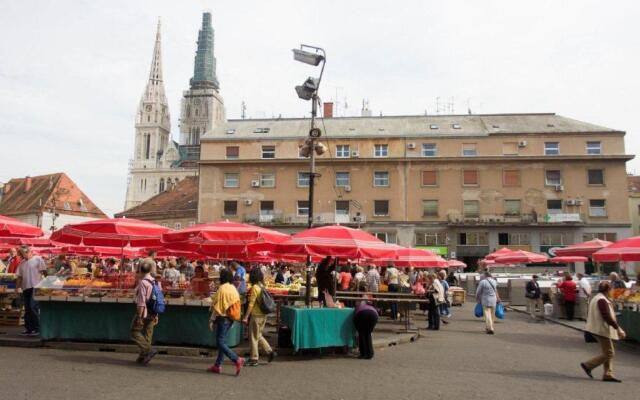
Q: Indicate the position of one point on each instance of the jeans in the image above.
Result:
(223, 324)
(394, 288)
(142, 334)
(365, 321)
(31, 311)
(444, 309)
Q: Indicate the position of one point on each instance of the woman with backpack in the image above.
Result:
(225, 309)
(258, 318)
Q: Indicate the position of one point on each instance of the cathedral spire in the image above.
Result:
(204, 69)
(155, 85)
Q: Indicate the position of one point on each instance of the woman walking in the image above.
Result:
(258, 319)
(225, 309)
(601, 322)
(487, 296)
(365, 319)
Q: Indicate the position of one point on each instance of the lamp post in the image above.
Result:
(309, 91)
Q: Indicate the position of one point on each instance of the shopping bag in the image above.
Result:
(499, 311)
(478, 310)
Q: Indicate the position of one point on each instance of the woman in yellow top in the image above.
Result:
(258, 319)
(225, 309)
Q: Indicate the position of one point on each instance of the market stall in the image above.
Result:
(313, 328)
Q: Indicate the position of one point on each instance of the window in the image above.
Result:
(554, 206)
(609, 236)
(469, 177)
(230, 131)
(594, 148)
(381, 150)
(230, 207)
(233, 152)
(473, 239)
(514, 239)
(512, 207)
(511, 177)
(266, 207)
(147, 146)
(429, 208)
(269, 151)
(387, 237)
(595, 176)
(456, 126)
(471, 208)
(429, 150)
(343, 151)
(161, 186)
(231, 180)
(552, 177)
(380, 208)
(343, 179)
(433, 126)
(303, 179)
(431, 239)
(177, 225)
(510, 148)
(554, 239)
(381, 178)
(551, 148)
(342, 207)
(261, 130)
(597, 208)
(268, 180)
(303, 208)
(67, 206)
(429, 178)
(191, 223)
(469, 149)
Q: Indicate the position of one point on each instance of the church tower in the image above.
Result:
(202, 105)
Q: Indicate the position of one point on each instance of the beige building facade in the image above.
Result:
(460, 185)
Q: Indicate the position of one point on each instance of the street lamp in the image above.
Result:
(311, 55)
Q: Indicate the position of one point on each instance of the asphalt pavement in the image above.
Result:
(524, 360)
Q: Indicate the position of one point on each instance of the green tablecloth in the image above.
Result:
(313, 328)
(110, 322)
(629, 320)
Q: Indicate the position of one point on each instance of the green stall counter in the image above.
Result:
(629, 320)
(313, 328)
(110, 322)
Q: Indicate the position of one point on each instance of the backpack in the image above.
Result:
(156, 303)
(266, 303)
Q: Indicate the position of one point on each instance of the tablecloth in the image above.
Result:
(313, 328)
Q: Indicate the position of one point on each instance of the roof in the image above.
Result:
(633, 184)
(180, 200)
(41, 193)
(406, 126)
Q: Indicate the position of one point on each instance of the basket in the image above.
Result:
(12, 318)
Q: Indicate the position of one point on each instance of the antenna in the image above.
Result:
(243, 110)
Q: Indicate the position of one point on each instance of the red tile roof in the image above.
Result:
(42, 193)
(181, 201)
(633, 183)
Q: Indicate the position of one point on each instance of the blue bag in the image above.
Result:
(499, 311)
(478, 310)
(156, 303)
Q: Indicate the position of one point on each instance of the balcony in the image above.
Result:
(277, 217)
(516, 219)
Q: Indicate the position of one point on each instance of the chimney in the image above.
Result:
(327, 110)
(7, 188)
(27, 184)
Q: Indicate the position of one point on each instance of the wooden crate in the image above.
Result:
(12, 317)
(458, 297)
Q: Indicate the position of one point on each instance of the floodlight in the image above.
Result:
(307, 89)
(307, 57)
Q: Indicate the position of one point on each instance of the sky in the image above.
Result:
(72, 72)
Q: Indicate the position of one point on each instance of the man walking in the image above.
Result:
(29, 276)
(144, 320)
(534, 298)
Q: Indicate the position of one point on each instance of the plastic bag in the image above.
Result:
(499, 311)
(478, 310)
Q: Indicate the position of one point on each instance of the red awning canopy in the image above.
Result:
(584, 249)
(111, 232)
(498, 253)
(456, 264)
(622, 250)
(568, 259)
(521, 257)
(418, 258)
(15, 228)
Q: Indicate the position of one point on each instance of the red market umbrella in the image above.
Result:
(338, 241)
(498, 253)
(584, 249)
(418, 258)
(456, 264)
(622, 250)
(568, 259)
(111, 232)
(521, 257)
(223, 239)
(19, 241)
(15, 228)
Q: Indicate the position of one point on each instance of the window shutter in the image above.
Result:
(470, 176)
(429, 178)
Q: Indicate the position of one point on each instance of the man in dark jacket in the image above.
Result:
(534, 298)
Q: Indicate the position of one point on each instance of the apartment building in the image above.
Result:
(460, 185)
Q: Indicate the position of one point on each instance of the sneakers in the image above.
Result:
(239, 364)
(611, 379)
(34, 333)
(25, 333)
(214, 369)
(586, 370)
(252, 363)
(149, 356)
(272, 356)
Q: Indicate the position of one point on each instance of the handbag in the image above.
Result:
(499, 311)
(589, 337)
(477, 311)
